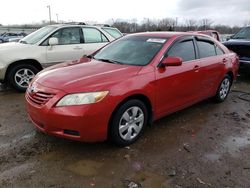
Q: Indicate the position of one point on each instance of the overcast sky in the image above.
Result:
(229, 12)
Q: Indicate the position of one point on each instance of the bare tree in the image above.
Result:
(191, 24)
(205, 23)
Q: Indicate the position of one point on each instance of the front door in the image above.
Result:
(70, 46)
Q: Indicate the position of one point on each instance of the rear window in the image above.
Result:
(113, 32)
(206, 49)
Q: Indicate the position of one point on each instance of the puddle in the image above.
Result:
(149, 179)
(212, 157)
(234, 144)
(85, 167)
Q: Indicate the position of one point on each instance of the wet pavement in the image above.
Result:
(206, 145)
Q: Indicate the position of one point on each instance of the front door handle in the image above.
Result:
(77, 48)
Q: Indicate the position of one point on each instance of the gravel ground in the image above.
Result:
(206, 145)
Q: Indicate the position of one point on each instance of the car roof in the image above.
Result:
(164, 34)
(79, 25)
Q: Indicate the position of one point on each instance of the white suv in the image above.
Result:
(19, 62)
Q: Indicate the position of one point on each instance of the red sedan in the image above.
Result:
(128, 84)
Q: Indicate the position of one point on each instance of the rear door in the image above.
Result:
(179, 86)
(69, 47)
(213, 62)
(94, 39)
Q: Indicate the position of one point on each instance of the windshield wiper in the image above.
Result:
(109, 61)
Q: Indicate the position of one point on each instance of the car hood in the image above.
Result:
(12, 46)
(85, 75)
(236, 42)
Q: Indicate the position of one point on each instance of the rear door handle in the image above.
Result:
(196, 67)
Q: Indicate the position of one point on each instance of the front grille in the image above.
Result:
(40, 98)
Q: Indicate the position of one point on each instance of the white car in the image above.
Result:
(19, 62)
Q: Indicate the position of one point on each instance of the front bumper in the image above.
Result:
(88, 123)
(2, 73)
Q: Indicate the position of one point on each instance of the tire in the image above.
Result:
(223, 89)
(125, 127)
(1, 41)
(20, 76)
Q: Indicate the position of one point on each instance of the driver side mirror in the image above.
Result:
(171, 61)
(53, 41)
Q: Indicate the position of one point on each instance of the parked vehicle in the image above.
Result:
(11, 37)
(212, 33)
(240, 44)
(117, 91)
(19, 62)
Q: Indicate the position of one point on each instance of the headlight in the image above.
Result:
(82, 98)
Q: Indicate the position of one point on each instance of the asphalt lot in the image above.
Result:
(206, 145)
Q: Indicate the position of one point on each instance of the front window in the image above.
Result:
(243, 34)
(66, 36)
(184, 50)
(132, 50)
(36, 36)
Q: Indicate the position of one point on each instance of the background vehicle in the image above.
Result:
(19, 62)
(129, 83)
(240, 44)
(211, 33)
(11, 37)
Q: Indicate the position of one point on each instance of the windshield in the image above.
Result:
(37, 35)
(243, 34)
(131, 50)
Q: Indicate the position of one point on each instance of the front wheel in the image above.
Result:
(223, 89)
(21, 75)
(128, 122)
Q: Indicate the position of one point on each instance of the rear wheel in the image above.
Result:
(128, 122)
(21, 75)
(223, 89)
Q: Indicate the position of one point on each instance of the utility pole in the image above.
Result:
(57, 20)
(49, 14)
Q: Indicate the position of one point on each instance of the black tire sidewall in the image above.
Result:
(218, 97)
(114, 135)
(11, 76)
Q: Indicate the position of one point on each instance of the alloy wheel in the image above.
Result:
(23, 77)
(131, 123)
(224, 88)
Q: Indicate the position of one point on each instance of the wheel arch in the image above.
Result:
(22, 62)
(140, 97)
(230, 73)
